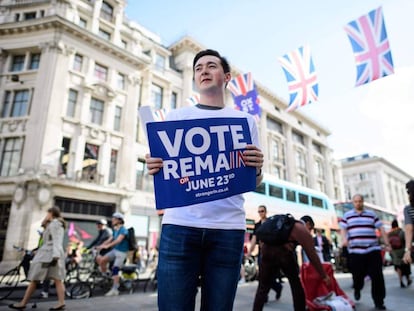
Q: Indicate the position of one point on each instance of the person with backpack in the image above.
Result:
(397, 243)
(280, 235)
(120, 247)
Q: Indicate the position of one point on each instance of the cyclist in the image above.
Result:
(104, 234)
(118, 254)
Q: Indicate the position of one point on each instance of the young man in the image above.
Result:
(409, 223)
(204, 242)
(283, 257)
(118, 254)
(358, 234)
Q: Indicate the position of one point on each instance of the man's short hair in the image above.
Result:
(307, 218)
(263, 206)
(223, 61)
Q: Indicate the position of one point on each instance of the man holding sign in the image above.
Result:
(209, 162)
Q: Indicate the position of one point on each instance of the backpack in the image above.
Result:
(276, 229)
(396, 241)
(132, 240)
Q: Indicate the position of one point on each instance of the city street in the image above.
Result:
(397, 298)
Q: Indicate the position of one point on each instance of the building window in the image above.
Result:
(124, 44)
(140, 169)
(159, 62)
(17, 63)
(302, 180)
(96, 110)
(117, 118)
(120, 81)
(11, 156)
(34, 61)
(82, 22)
(276, 171)
(64, 156)
(90, 163)
(112, 166)
(274, 125)
(156, 96)
(107, 11)
(77, 62)
(319, 170)
(317, 147)
(72, 100)
(300, 160)
(29, 15)
(15, 104)
(104, 34)
(101, 72)
(298, 138)
(173, 103)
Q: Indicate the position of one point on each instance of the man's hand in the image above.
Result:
(407, 257)
(253, 156)
(327, 281)
(153, 164)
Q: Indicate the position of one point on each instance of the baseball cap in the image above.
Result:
(118, 215)
(101, 222)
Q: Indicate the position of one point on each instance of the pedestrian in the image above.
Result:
(206, 239)
(277, 285)
(322, 242)
(397, 243)
(104, 234)
(409, 223)
(358, 230)
(119, 246)
(310, 225)
(283, 257)
(49, 261)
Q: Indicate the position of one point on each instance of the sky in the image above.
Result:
(376, 118)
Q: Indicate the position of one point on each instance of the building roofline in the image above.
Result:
(58, 22)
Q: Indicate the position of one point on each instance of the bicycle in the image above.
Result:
(86, 285)
(11, 278)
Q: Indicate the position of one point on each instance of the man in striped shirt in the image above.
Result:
(358, 230)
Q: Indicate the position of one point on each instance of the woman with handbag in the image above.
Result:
(49, 261)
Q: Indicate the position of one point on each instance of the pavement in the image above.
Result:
(397, 298)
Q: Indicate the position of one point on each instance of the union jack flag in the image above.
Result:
(193, 100)
(371, 48)
(159, 114)
(301, 77)
(245, 95)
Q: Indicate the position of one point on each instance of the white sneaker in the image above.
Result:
(112, 292)
(44, 295)
(242, 281)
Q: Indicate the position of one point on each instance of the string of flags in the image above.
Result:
(368, 37)
(373, 60)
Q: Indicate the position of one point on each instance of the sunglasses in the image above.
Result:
(261, 211)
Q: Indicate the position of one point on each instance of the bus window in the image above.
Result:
(303, 198)
(261, 188)
(291, 195)
(275, 191)
(317, 202)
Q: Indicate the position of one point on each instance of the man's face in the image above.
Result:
(115, 221)
(209, 74)
(358, 202)
(308, 226)
(262, 213)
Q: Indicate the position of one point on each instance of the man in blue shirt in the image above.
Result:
(358, 234)
(118, 254)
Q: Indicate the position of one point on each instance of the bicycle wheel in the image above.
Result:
(8, 282)
(80, 290)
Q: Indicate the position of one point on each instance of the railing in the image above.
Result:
(21, 2)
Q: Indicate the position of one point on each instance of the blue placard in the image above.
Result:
(202, 160)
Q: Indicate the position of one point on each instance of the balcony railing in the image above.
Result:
(21, 2)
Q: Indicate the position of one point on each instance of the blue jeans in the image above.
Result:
(189, 257)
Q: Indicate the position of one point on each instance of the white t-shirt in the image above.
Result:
(227, 213)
